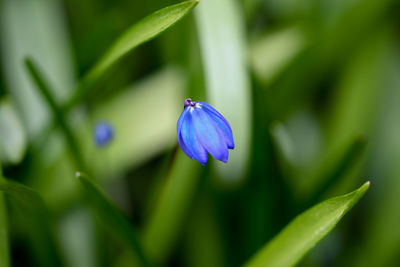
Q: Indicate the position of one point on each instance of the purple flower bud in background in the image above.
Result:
(103, 133)
(202, 129)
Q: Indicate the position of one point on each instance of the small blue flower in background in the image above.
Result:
(103, 134)
(203, 129)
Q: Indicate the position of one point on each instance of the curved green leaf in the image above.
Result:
(143, 31)
(305, 231)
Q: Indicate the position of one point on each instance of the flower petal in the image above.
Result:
(180, 120)
(183, 146)
(222, 123)
(191, 143)
(222, 126)
(179, 134)
(210, 137)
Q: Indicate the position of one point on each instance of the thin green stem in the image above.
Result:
(59, 115)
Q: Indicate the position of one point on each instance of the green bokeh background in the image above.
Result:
(310, 87)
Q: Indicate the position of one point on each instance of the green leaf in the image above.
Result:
(46, 92)
(143, 31)
(112, 217)
(4, 247)
(36, 221)
(165, 223)
(78, 239)
(223, 44)
(382, 220)
(271, 53)
(13, 139)
(305, 231)
(202, 240)
(36, 29)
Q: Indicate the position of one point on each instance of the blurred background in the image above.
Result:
(311, 89)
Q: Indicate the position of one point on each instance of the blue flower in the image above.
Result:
(203, 129)
(103, 134)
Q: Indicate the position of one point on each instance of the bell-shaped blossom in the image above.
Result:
(202, 129)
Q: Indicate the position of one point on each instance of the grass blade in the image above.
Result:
(112, 217)
(166, 221)
(44, 89)
(38, 29)
(143, 31)
(305, 231)
(4, 247)
(13, 138)
(38, 227)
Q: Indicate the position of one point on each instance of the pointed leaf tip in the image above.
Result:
(305, 231)
(361, 191)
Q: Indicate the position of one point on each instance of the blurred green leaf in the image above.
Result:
(13, 139)
(222, 38)
(203, 243)
(46, 92)
(126, 259)
(36, 29)
(4, 246)
(164, 224)
(355, 102)
(334, 168)
(274, 51)
(305, 231)
(112, 217)
(77, 238)
(381, 232)
(312, 182)
(36, 220)
(331, 42)
(143, 31)
(297, 141)
(355, 99)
